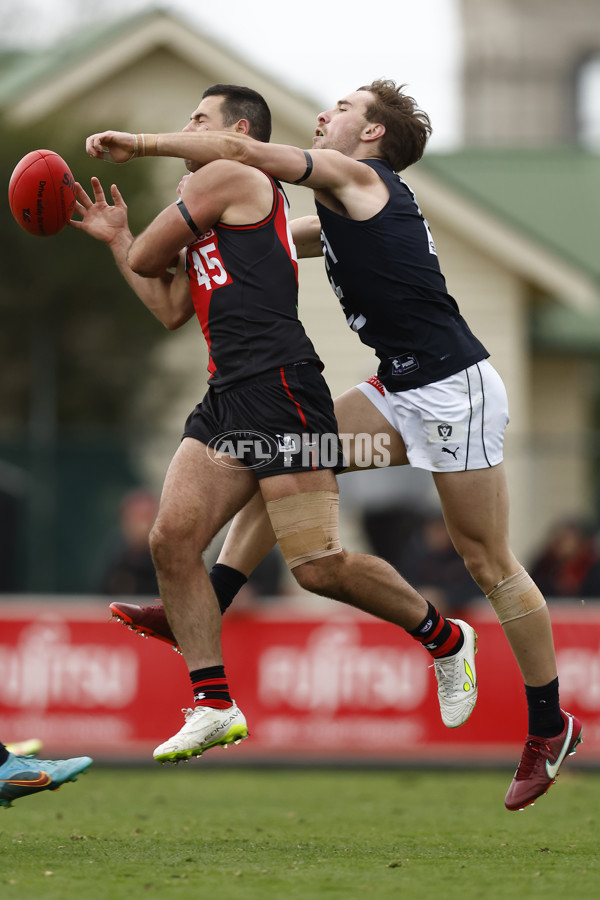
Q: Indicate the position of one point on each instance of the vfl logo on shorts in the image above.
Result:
(441, 433)
(444, 431)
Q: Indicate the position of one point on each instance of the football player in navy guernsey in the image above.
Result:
(228, 239)
(434, 378)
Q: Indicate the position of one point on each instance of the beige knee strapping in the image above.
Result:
(306, 525)
(515, 597)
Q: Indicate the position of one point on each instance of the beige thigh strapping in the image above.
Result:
(306, 525)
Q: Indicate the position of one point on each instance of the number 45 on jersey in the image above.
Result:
(207, 263)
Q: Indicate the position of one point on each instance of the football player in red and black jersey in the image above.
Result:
(265, 424)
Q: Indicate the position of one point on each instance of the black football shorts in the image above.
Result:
(278, 422)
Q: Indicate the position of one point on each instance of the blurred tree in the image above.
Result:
(63, 300)
(76, 348)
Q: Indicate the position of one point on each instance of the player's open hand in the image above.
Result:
(101, 220)
(113, 146)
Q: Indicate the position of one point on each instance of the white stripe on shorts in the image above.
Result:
(451, 425)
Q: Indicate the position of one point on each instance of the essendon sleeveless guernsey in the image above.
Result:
(244, 284)
(386, 274)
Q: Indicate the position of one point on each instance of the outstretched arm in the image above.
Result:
(330, 170)
(167, 294)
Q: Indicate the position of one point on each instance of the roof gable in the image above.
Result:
(35, 84)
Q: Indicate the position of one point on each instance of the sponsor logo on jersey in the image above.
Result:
(402, 365)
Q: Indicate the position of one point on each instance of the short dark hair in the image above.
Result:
(407, 128)
(243, 103)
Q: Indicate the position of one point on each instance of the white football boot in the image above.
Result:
(204, 728)
(457, 680)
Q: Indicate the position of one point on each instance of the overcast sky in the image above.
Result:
(321, 49)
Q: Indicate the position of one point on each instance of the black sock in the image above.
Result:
(3, 754)
(226, 583)
(543, 706)
(210, 687)
(438, 635)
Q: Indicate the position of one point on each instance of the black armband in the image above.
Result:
(309, 168)
(188, 219)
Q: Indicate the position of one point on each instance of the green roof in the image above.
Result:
(551, 196)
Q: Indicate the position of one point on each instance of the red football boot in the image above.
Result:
(147, 621)
(541, 760)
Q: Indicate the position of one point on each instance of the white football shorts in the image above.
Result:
(451, 425)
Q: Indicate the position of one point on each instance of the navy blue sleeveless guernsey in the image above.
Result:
(386, 274)
(244, 285)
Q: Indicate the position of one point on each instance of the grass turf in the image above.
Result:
(198, 832)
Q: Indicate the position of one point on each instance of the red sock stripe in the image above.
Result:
(448, 645)
(205, 687)
(444, 648)
(215, 683)
(213, 703)
(432, 635)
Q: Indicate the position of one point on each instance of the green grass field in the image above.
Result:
(199, 831)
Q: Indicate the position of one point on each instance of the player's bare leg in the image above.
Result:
(303, 511)
(248, 540)
(475, 506)
(360, 580)
(356, 414)
(198, 498)
(249, 537)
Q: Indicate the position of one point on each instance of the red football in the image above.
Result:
(41, 193)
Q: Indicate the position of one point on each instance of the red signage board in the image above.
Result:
(339, 685)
